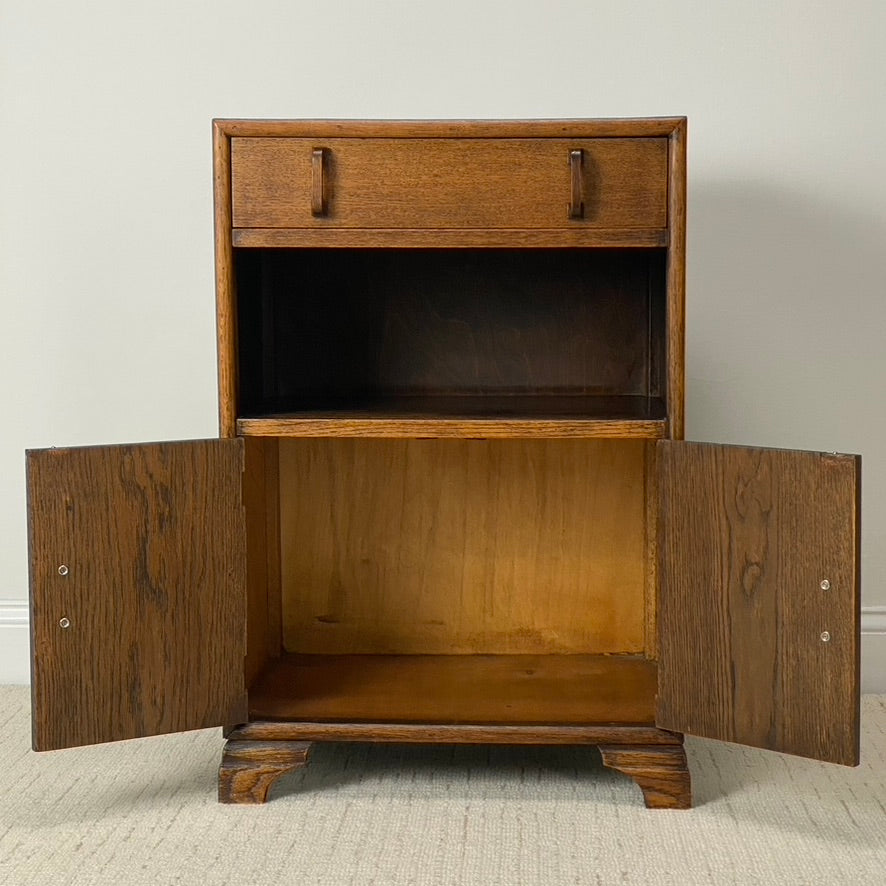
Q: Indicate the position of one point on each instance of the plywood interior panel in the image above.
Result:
(651, 642)
(463, 546)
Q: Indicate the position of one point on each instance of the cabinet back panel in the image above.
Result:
(462, 546)
(320, 327)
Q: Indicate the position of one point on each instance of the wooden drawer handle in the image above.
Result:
(576, 206)
(318, 182)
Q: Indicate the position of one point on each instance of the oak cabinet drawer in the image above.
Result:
(449, 183)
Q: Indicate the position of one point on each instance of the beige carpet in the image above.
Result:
(144, 812)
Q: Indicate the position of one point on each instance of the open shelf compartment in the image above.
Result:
(451, 342)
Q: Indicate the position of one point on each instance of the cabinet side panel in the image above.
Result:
(225, 285)
(463, 546)
(676, 280)
(759, 612)
(137, 559)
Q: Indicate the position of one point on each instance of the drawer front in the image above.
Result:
(449, 183)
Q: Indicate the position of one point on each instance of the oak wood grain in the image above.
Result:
(676, 281)
(747, 537)
(448, 733)
(462, 546)
(249, 768)
(370, 424)
(624, 127)
(141, 550)
(448, 183)
(660, 772)
(514, 238)
(462, 689)
(225, 286)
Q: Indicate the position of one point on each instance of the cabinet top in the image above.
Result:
(587, 128)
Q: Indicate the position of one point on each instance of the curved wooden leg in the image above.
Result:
(249, 768)
(661, 773)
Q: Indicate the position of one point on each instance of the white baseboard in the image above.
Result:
(15, 645)
(873, 649)
(15, 649)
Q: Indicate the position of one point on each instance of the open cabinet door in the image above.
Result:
(758, 606)
(138, 571)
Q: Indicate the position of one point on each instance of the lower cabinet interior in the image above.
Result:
(514, 689)
(450, 581)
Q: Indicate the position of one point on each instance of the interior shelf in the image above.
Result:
(470, 416)
(451, 343)
(468, 689)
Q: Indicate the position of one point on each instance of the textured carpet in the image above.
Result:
(144, 812)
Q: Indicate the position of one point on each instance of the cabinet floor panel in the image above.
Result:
(469, 416)
(512, 689)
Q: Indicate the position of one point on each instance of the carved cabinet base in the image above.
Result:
(450, 487)
(257, 754)
(249, 768)
(660, 772)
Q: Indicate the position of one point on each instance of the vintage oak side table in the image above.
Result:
(451, 500)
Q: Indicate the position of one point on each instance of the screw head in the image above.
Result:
(825, 636)
(63, 570)
(64, 622)
(825, 584)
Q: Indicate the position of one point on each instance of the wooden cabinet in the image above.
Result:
(450, 501)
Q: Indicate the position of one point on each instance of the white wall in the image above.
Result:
(105, 204)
